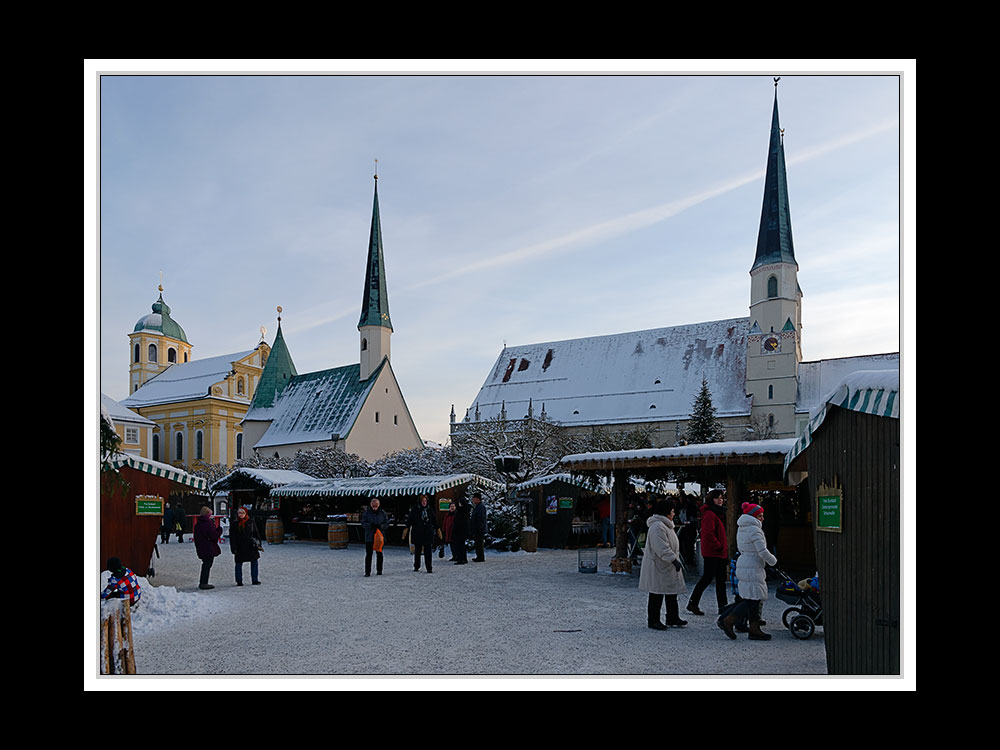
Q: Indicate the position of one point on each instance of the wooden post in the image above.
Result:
(117, 651)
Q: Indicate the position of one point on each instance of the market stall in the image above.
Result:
(251, 488)
(133, 493)
(307, 506)
(564, 509)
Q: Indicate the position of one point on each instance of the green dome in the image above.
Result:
(159, 320)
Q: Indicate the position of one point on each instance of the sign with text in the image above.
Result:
(148, 505)
(829, 504)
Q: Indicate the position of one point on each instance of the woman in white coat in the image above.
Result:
(660, 575)
(752, 586)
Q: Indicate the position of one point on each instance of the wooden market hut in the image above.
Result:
(305, 506)
(133, 492)
(749, 470)
(849, 458)
(251, 488)
(563, 508)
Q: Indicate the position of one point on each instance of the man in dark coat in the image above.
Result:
(168, 525)
(479, 526)
(422, 526)
(372, 520)
(206, 544)
(459, 533)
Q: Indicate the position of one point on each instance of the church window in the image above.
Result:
(152, 352)
(772, 287)
(135, 356)
(171, 355)
(156, 447)
(179, 443)
(770, 420)
(185, 356)
(376, 417)
(239, 445)
(770, 391)
(199, 445)
(364, 345)
(395, 419)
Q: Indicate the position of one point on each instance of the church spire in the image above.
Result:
(278, 372)
(375, 305)
(774, 238)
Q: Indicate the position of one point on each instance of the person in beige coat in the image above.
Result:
(661, 573)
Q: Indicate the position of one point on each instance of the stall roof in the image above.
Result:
(873, 392)
(701, 454)
(157, 469)
(550, 478)
(380, 486)
(269, 478)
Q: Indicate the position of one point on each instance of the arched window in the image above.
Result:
(156, 447)
(135, 356)
(770, 420)
(770, 391)
(364, 345)
(772, 287)
(199, 445)
(152, 353)
(171, 355)
(185, 356)
(239, 445)
(179, 443)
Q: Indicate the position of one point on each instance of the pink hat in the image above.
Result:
(752, 509)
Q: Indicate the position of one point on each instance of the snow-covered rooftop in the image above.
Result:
(380, 486)
(744, 448)
(119, 414)
(263, 477)
(184, 381)
(817, 379)
(630, 377)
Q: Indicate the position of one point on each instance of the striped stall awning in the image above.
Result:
(381, 486)
(157, 469)
(550, 478)
(874, 392)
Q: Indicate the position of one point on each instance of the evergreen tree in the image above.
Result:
(703, 427)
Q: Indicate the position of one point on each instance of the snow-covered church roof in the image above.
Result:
(185, 381)
(121, 415)
(639, 376)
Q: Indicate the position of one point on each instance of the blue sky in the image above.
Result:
(515, 208)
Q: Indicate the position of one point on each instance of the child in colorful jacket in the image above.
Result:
(122, 583)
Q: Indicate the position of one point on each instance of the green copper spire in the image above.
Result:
(774, 239)
(375, 305)
(278, 373)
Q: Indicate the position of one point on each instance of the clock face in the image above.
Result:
(771, 344)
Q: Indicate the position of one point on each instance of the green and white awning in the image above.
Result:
(156, 469)
(874, 392)
(381, 486)
(550, 478)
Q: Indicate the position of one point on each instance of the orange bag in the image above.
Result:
(379, 542)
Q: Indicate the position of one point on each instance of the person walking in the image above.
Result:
(460, 533)
(180, 516)
(478, 526)
(422, 527)
(661, 573)
(167, 527)
(714, 552)
(244, 541)
(446, 526)
(374, 520)
(754, 557)
(206, 544)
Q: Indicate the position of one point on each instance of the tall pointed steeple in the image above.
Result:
(774, 238)
(375, 305)
(278, 372)
(375, 326)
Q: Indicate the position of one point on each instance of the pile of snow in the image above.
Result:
(165, 606)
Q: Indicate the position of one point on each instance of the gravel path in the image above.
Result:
(515, 614)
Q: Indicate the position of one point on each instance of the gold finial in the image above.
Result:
(160, 287)
(279, 314)
(376, 169)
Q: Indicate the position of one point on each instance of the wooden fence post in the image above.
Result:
(117, 650)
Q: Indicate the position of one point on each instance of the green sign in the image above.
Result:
(828, 506)
(566, 502)
(444, 502)
(148, 505)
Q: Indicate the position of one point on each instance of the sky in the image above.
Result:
(515, 209)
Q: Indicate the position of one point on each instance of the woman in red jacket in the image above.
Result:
(714, 550)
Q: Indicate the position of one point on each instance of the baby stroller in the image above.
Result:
(806, 611)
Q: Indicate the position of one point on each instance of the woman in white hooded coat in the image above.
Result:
(752, 586)
(661, 573)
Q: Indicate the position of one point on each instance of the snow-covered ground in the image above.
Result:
(516, 614)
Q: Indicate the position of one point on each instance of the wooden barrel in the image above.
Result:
(337, 534)
(275, 531)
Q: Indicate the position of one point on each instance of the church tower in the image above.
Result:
(156, 343)
(374, 326)
(774, 346)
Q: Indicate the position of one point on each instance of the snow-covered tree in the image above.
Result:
(703, 427)
(418, 462)
(539, 444)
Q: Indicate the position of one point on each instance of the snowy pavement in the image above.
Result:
(516, 614)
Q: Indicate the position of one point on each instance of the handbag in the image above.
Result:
(379, 541)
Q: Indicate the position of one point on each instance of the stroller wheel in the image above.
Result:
(802, 627)
(786, 618)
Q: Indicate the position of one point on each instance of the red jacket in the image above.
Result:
(713, 534)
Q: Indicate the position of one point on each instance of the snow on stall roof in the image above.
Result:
(637, 376)
(380, 486)
(264, 477)
(817, 379)
(731, 448)
(184, 381)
